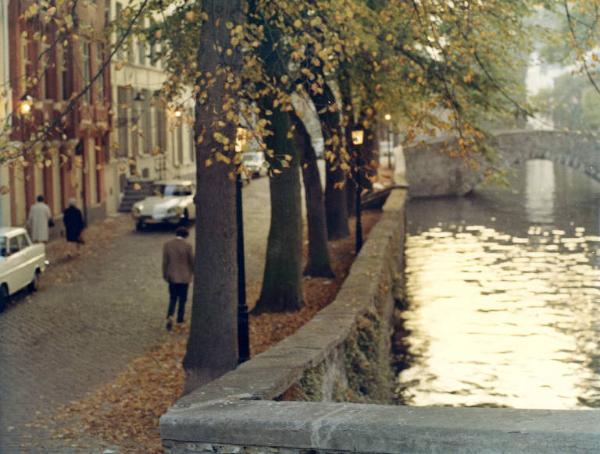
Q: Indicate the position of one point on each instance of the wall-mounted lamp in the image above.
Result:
(26, 104)
(358, 136)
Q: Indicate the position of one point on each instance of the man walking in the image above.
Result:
(178, 269)
(39, 220)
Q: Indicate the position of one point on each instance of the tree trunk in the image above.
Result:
(212, 345)
(282, 281)
(336, 209)
(336, 206)
(318, 264)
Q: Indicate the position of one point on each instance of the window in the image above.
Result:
(23, 241)
(135, 125)
(173, 190)
(3, 246)
(86, 48)
(65, 78)
(179, 133)
(130, 53)
(142, 47)
(50, 73)
(13, 246)
(161, 129)
(123, 121)
(25, 60)
(118, 14)
(44, 62)
(147, 122)
(152, 46)
(100, 80)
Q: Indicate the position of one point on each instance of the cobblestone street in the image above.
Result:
(78, 333)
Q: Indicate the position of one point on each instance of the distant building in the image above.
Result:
(149, 140)
(73, 155)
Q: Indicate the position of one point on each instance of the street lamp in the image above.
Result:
(26, 105)
(357, 140)
(243, 330)
(388, 119)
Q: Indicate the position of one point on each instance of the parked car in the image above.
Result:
(254, 163)
(21, 262)
(172, 203)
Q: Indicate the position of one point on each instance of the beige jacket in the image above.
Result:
(178, 261)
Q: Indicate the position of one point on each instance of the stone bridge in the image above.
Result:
(432, 172)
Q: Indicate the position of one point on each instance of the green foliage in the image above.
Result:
(433, 65)
(572, 103)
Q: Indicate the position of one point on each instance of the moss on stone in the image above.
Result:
(310, 386)
(367, 362)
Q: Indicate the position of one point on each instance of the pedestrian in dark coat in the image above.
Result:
(178, 270)
(74, 225)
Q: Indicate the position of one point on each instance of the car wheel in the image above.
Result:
(34, 285)
(139, 226)
(3, 297)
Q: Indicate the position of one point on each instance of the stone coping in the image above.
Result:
(365, 428)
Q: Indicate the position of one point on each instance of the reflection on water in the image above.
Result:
(540, 192)
(504, 295)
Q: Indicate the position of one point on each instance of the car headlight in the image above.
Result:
(175, 210)
(136, 210)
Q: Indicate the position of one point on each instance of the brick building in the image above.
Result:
(5, 105)
(73, 156)
(115, 132)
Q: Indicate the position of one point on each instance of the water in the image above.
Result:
(503, 292)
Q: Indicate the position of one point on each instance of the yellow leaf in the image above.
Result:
(221, 157)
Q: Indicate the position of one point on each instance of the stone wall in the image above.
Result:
(315, 392)
(341, 355)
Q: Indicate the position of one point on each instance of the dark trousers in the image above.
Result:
(177, 292)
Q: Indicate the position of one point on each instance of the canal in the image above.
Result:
(503, 295)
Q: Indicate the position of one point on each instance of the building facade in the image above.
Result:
(149, 139)
(110, 127)
(5, 108)
(68, 86)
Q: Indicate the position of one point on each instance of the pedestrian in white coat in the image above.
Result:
(39, 219)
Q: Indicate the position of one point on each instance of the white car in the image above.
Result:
(172, 203)
(254, 164)
(21, 262)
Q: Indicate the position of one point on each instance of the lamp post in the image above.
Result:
(243, 329)
(388, 119)
(357, 140)
(243, 332)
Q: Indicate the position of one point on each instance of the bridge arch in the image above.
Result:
(431, 172)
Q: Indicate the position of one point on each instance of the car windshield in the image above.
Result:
(250, 157)
(172, 189)
(3, 246)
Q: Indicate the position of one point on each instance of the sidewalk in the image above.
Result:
(93, 315)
